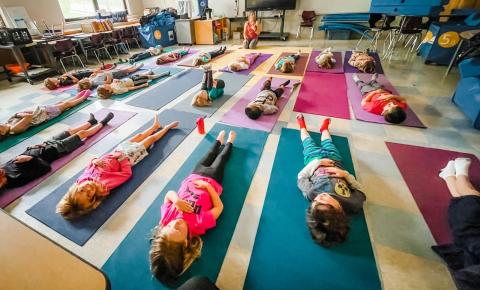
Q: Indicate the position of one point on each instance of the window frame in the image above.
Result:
(96, 7)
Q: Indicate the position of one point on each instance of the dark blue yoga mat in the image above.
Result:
(284, 255)
(168, 91)
(80, 230)
(128, 267)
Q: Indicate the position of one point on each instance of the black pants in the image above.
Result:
(139, 79)
(213, 164)
(140, 56)
(267, 85)
(217, 52)
(207, 82)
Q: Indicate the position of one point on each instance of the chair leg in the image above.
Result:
(96, 55)
(108, 53)
(80, 60)
(312, 32)
(298, 31)
(360, 40)
(136, 41)
(73, 61)
(63, 66)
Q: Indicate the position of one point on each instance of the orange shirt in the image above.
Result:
(375, 106)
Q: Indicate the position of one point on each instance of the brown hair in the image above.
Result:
(49, 84)
(168, 259)
(103, 93)
(328, 226)
(199, 101)
(84, 84)
(287, 67)
(70, 208)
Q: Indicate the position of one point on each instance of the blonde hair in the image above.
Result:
(70, 208)
(49, 84)
(84, 84)
(103, 93)
(251, 14)
(168, 259)
(287, 67)
(201, 102)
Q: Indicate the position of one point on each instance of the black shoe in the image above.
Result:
(107, 119)
(285, 83)
(92, 120)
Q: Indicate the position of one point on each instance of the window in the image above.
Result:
(84, 9)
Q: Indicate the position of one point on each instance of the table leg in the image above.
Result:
(80, 41)
(17, 53)
(452, 61)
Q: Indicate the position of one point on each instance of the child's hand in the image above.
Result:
(145, 85)
(98, 162)
(22, 159)
(183, 205)
(202, 184)
(336, 172)
(119, 155)
(325, 162)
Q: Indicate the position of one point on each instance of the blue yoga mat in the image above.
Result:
(82, 229)
(284, 255)
(128, 267)
(168, 91)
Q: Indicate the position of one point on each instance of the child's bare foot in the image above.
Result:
(221, 136)
(172, 125)
(231, 137)
(156, 123)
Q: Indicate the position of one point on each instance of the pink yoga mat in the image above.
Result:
(236, 116)
(313, 66)
(350, 69)
(57, 91)
(7, 196)
(419, 167)
(300, 66)
(260, 59)
(355, 97)
(323, 94)
(153, 61)
(189, 61)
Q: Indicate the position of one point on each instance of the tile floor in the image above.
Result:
(399, 234)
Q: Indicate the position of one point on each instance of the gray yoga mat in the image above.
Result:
(82, 229)
(233, 83)
(168, 91)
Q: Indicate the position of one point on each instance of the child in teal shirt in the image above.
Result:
(212, 89)
(286, 64)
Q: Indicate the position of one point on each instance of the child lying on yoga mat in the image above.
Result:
(212, 89)
(362, 61)
(206, 57)
(108, 172)
(266, 100)
(35, 161)
(463, 256)
(251, 31)
(118, 87)
(326, 59)
(243, 62)
(151, 51)
(188, 214)
(101, 78)
(172, 56)
(20, 122)
(332, 191)
(380, 101)
(68, 79)
(286, 64)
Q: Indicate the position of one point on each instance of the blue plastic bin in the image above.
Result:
(160, 30)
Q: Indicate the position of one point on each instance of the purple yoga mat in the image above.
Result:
(9, 195)
(189, 61)
(355, 97)
(323, 94)
(419, 167)
(313, 66)
(260, 59)
(236, 116)
(350, 69)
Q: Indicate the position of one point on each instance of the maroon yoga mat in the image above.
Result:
(355, 98)
(300, 65)
(323, 94)
(419, 167)
(350, 69)
(337, 69)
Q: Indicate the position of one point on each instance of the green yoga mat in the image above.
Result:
(13, 140)
(128, 267)
(284, 255)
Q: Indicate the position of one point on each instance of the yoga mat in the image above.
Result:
(9, 195)
(82, 229)
(132, 253)
(300, 65)
(58, 91)
(350, 69)
(313, 66)
(323, 94)
(260, 59)
(190, 53)
(233, 83)
(355, 98)
(237, 117)
(13, 140)
(419, 167)
(284, 255)
(188, 62)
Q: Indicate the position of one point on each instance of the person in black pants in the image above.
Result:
(206, 57)
(35, 161)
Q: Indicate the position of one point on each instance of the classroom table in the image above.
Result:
(31, 261)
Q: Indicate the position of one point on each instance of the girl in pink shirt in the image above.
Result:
(243, 62)
(188, 214)
(108, 172)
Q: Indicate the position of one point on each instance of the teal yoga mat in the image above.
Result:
(128, 267)
(13, 140)
(284, 255)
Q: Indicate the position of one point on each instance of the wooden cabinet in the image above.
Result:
(210, 31)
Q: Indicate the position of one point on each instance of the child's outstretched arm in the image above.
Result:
(269, 109)
(23, 124)
(138, 87)
(368, 98)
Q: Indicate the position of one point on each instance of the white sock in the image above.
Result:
(462, 165)
(448, 170)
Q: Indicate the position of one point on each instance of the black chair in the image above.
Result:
(66, 49)
(97, 46)
(379, 24)
(130, 35)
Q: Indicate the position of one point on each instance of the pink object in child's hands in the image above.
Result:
(85, 93)
(201, 126)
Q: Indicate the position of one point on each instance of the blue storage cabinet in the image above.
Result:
(160, 30)
(469, 67)
(467, 98)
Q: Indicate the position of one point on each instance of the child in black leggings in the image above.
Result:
(205, 57)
